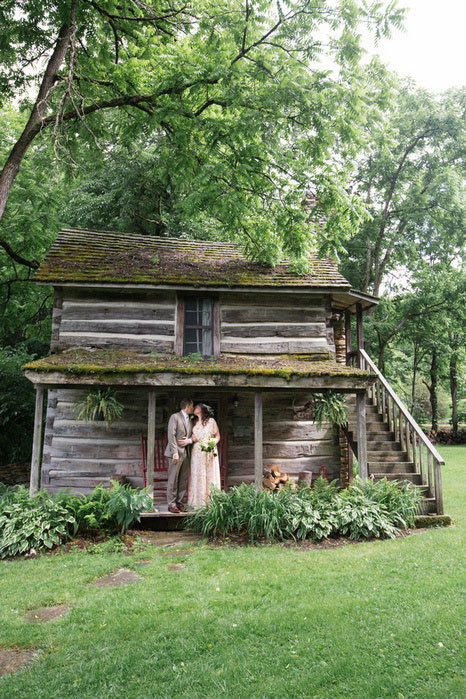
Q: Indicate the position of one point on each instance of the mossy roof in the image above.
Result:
(82, 256)
(85, 362)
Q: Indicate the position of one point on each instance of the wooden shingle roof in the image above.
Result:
(82, 256)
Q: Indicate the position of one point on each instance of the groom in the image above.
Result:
(179, 452)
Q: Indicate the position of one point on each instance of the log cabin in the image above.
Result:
(161, 318)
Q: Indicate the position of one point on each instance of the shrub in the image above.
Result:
(364, 510)
(46, 521)
(401, 501)
(447, 436)
(108, 508)
(16, 406)
(126, 504)
(358, 517)
(33, 523)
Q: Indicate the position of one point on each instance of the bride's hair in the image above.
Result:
(206, 413)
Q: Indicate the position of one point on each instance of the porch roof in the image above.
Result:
(120, 367)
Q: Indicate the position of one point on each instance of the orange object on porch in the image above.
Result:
(161, 464)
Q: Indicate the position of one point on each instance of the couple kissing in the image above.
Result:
(193, 457)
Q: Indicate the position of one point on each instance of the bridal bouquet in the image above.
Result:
(209, 446)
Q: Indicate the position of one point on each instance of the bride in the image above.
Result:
(205, 468)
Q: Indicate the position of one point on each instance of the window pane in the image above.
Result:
(190, 335)
(190, 348)
(191, 318)
(190, 304)
(207, 341)
(207, 312)
(198, 312)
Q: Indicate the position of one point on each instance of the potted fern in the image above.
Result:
(330, 407)
(99, 404)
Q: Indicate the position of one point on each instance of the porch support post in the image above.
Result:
(347, 334)
(360, 333)
(361, 431)
(37, 442)
(258, 465)
(151, 439)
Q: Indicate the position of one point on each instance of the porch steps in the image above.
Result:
(385, 455)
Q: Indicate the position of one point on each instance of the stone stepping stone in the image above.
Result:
(123, 576)
(178, 552)
(42, 614)
(176, 566)
(12, 660)
(168, 539)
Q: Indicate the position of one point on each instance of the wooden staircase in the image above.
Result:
(396, 447)
(386, 455)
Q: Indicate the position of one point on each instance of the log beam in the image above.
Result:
(151, 407)
(359, 332)
(347, 334)
(361, 431)
(37, 442)
(258, 448)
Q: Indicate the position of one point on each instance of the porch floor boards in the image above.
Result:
(163, 512)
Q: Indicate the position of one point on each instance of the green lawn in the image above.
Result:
(376, 619)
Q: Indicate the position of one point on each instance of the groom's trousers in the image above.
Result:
(177, 485)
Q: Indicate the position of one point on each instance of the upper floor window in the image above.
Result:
(197, 329)
(198, 326)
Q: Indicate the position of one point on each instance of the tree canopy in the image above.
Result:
(247, 104)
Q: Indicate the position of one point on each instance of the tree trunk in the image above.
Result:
(454, 389)
(433, 390)
(413, 385)
(33, 126)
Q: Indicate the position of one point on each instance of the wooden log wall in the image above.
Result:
(291, 440)
(259, 324)
(273, 324)
(114, 319)
(79, 454)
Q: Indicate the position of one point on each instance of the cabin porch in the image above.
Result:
(261, 412)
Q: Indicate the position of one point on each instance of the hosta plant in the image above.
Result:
(35, 523)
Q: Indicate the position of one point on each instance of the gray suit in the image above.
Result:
(178, 471)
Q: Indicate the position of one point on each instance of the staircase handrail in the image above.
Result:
(426, 441)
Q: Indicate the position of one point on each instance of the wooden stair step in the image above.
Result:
(380, 446)
(381, 436)
(414, 478)
(391, 467)
(371, 427)
(370, 410)
(371, 418)
(390, 455)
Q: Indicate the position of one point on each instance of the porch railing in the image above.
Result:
(420, 450)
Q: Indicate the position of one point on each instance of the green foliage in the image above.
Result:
(110, 509)
(400, 500)
(330, 407)
(373, 509)
(235, 108)
(114, 544)
(99, 401)
(45, 521)
(16, 406)
(358, 517)
(32, 523)
(91, 511)
(126, 504)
